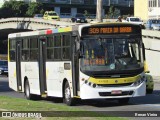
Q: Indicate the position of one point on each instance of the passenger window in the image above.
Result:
(25, 55)
(25, 49)
(12, 48)
(57, 41)
(66, 43)
(50, 45)
(34, 49)
(57, 53)
(66, 53)
(57, 47)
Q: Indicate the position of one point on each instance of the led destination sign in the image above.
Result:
(110, 30)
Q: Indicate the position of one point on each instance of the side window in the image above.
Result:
(25, 49)
(66, 43)
(12, 48)
(34, 49)
(50, 45)
(57, 47)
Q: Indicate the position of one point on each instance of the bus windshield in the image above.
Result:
(111, 54)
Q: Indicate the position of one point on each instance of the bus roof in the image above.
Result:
(41, 32)
(64, 29)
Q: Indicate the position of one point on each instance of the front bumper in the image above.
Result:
(88, 92)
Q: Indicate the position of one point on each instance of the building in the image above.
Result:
(71, 7)
(150, 9)
(154, 9)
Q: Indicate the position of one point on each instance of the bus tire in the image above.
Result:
(67, 95)
(123, 101)
(27, 93)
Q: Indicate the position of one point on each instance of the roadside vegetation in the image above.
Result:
(15, 8)
(17, 104)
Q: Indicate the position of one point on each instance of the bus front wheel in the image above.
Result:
(67, 95)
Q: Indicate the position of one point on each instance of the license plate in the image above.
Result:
(116, 92)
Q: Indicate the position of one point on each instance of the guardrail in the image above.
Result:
(151, 33)
(37, 21)
(151, 40)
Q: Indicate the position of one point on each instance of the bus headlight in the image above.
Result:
(90, 84)
(139, 81)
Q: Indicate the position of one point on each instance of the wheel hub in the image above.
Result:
(67, 94)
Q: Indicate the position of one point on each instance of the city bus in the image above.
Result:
(87, 61)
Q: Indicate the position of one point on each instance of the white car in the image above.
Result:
(134, 20)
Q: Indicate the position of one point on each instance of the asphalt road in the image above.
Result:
(150, 102)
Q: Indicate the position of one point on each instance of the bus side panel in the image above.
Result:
(31, 71)
(53, 79)
(12, 75)
(55, 75)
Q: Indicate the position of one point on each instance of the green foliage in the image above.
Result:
(42, 11)
(6, 12)
(117, 12)
(113, 12)
(34, 8)
(86, 13)
(15, 8)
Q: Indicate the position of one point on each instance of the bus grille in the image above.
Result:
(109, 93)
(115, 85)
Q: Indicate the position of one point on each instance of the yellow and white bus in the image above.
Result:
(90, 61)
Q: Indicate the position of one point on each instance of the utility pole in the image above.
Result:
(99, 11)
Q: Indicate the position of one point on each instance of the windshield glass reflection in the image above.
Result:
(104, 54)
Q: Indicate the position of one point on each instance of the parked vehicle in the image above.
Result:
(79, 18)
(153, 25)
(38, 16)
(134, 20)
(3, 67)
(51, 15)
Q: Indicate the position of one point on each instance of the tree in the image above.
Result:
(113, 12)
(8, 13)
(14, 8)
(86, 13)
(116, 12)
(42, 11)
(34, 8)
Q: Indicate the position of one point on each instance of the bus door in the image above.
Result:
(42, 65)
(75, 66)
(18, 65)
